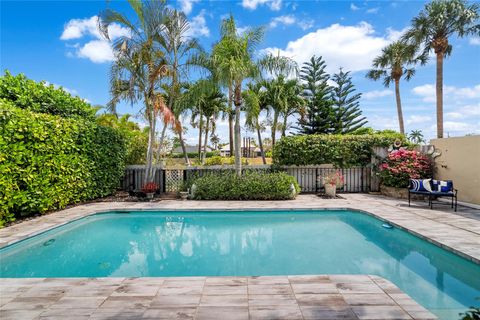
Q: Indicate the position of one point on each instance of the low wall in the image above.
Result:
(460, 161)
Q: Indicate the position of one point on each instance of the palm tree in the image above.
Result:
(178, 48)
(140, 66)
(232, 61)
(396, 61)
(254, 103)
(416, 136)
(431, 29)
(294, 103)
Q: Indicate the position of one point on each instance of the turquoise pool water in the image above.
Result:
(182, 243)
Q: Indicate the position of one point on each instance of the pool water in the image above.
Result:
(182, 243)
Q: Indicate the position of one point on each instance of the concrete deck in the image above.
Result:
(293, 297)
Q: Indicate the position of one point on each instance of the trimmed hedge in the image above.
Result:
(43, 97)
(340, 150)
(48, 162)
(250, 186)
(209, 154)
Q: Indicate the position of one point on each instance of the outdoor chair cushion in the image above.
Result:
(420, 185)
(442, 186)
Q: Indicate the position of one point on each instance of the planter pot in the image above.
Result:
(398, 193)
(330, 190)
(184, 195)
(150, 195)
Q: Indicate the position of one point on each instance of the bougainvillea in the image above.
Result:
(402, 165)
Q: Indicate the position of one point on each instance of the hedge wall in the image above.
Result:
(47, 161)
(43, 97)
(341, 150)
(250, 186)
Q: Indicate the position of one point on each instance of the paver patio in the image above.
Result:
(292, 297)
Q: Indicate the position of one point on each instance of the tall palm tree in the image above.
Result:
(431, 29)
(294, 103)
(396, 61)
(140, 66)
(254, 104)
(232, 60)
(179, 47)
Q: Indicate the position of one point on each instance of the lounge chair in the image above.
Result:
(433, 189)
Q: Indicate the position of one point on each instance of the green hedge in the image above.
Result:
(48, 162)
(42, 97)
(209, 154)
(340, 150)
(250, 186)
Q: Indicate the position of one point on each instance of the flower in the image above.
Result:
(402, 164)
(150, 187)
(334, 179)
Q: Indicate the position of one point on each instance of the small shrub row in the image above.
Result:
(340, 150)
(250, 186)
(48, 162)
(195, 154)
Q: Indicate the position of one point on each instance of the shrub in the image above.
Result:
(402, 165)
(340, 150)
(250, 186)
(214, 161)
(42, 97)
(195, 154)
(48, 162)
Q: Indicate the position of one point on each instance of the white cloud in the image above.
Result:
(98, 50)
(198, 26)
(418, 119)
(474, 41)
(284, 20)
(427, 92)
(274, 5)
(289, 19)
(377, 94)
(353, 7)
(373, 10)
(350, 47)
(187, 5)
(57, 86)
(471, 111)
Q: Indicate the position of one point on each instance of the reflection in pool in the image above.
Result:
(248, 243)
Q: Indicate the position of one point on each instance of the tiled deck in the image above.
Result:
(294, 297)
(300, 297)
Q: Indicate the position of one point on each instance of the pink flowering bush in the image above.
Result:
(402, 165)
(334, 179)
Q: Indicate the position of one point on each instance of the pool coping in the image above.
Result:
(445, 240)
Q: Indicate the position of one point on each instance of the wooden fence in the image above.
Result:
(357, 179)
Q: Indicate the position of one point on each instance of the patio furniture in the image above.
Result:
(433, 189)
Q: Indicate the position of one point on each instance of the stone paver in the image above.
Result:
(146, 300)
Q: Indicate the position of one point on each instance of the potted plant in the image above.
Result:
(149, 189)
(331, 182)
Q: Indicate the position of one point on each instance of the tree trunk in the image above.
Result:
(439, 88)
(230, 120)
(284, 128)
(184, 148)
(204, 155)
(260, 143)
(149, 169)
(200, 132)
(238, 101)
(160, 143)
(399, 106)
(274, 126)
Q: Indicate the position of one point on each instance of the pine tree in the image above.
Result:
(319, 115)
(346, 104)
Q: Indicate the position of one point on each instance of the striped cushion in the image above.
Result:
(442, 185)
(422, 185)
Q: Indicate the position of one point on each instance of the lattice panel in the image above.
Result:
(173, 180)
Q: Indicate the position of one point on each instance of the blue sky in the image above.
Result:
(57, 41)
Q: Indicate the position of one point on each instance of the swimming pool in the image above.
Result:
(232, 243)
